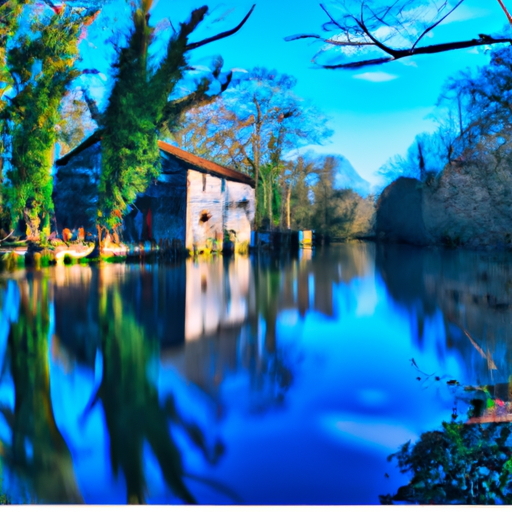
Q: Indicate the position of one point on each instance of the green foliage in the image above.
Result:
(10, 14)
(339, 213)
(459, 464)
(5, 500)
(42, 66)
(301, 208)
(139, 109)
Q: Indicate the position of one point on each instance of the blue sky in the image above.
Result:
(376, 112)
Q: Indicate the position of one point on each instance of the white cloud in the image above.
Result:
(376, 76)
(408, 62)
(464, 13)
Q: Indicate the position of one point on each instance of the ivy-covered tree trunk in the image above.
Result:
(139, 109)
(42, 67)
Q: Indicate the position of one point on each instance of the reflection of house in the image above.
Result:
(217, 296)
(194, 201)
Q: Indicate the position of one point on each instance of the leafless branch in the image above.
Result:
(176, 108)
(93, 107)
(432, 27)
(333, 42)
(330, 17)
(222, 35)
(361, 29)
(425, 50)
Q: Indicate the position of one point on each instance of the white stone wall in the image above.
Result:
(204, 197)
(215, 205)
(239, 210)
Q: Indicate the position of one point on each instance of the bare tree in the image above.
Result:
(369, 33)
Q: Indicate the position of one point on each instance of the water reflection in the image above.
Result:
(133, 410)
(35, 450)
(254, 380)
(472, 290)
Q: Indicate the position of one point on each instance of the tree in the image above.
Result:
(295, 180)
(142, 106)
(426, 157)
(457, 464)
(253, 126)
(40, 63)
(370, 33)
(483, 98)
(10, 14)
(474, 125)
(339, 213)
(300, 205)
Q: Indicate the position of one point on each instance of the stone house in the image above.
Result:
(194, 203)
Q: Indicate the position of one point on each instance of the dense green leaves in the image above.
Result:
(459, 464)
(140, 108)
(41, 65)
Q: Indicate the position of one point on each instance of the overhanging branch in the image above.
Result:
(222, 35)
(333, 42)
(425, 50)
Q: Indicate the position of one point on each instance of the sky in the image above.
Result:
(375, 112)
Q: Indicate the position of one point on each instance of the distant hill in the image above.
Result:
(348, 177)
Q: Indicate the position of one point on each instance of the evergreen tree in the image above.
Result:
(40, 63)
(140, 109)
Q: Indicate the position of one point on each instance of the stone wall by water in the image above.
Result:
(467, 205)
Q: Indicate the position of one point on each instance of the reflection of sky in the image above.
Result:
(355, 398)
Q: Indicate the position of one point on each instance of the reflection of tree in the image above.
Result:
(471, 289)
(133, 411)
(271, 369)
(38, 453)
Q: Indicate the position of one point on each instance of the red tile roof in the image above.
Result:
(203, 164)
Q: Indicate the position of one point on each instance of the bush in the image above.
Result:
(462, 463)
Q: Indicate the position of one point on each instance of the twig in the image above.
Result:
(222, 35)
(3, 240)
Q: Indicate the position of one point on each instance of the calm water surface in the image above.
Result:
(254, 381)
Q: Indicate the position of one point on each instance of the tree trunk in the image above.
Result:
(256, 159)
(288, 200)
(264, 194)
(270, 212)
(32, 221)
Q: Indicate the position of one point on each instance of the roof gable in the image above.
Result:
(203, 165)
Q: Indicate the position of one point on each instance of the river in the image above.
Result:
(256, 380)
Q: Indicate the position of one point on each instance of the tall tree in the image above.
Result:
(370, 32)
(295, 181)
(10, 14)
(253, 126)
(474, 125)
(40, 63)
(142, 106)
